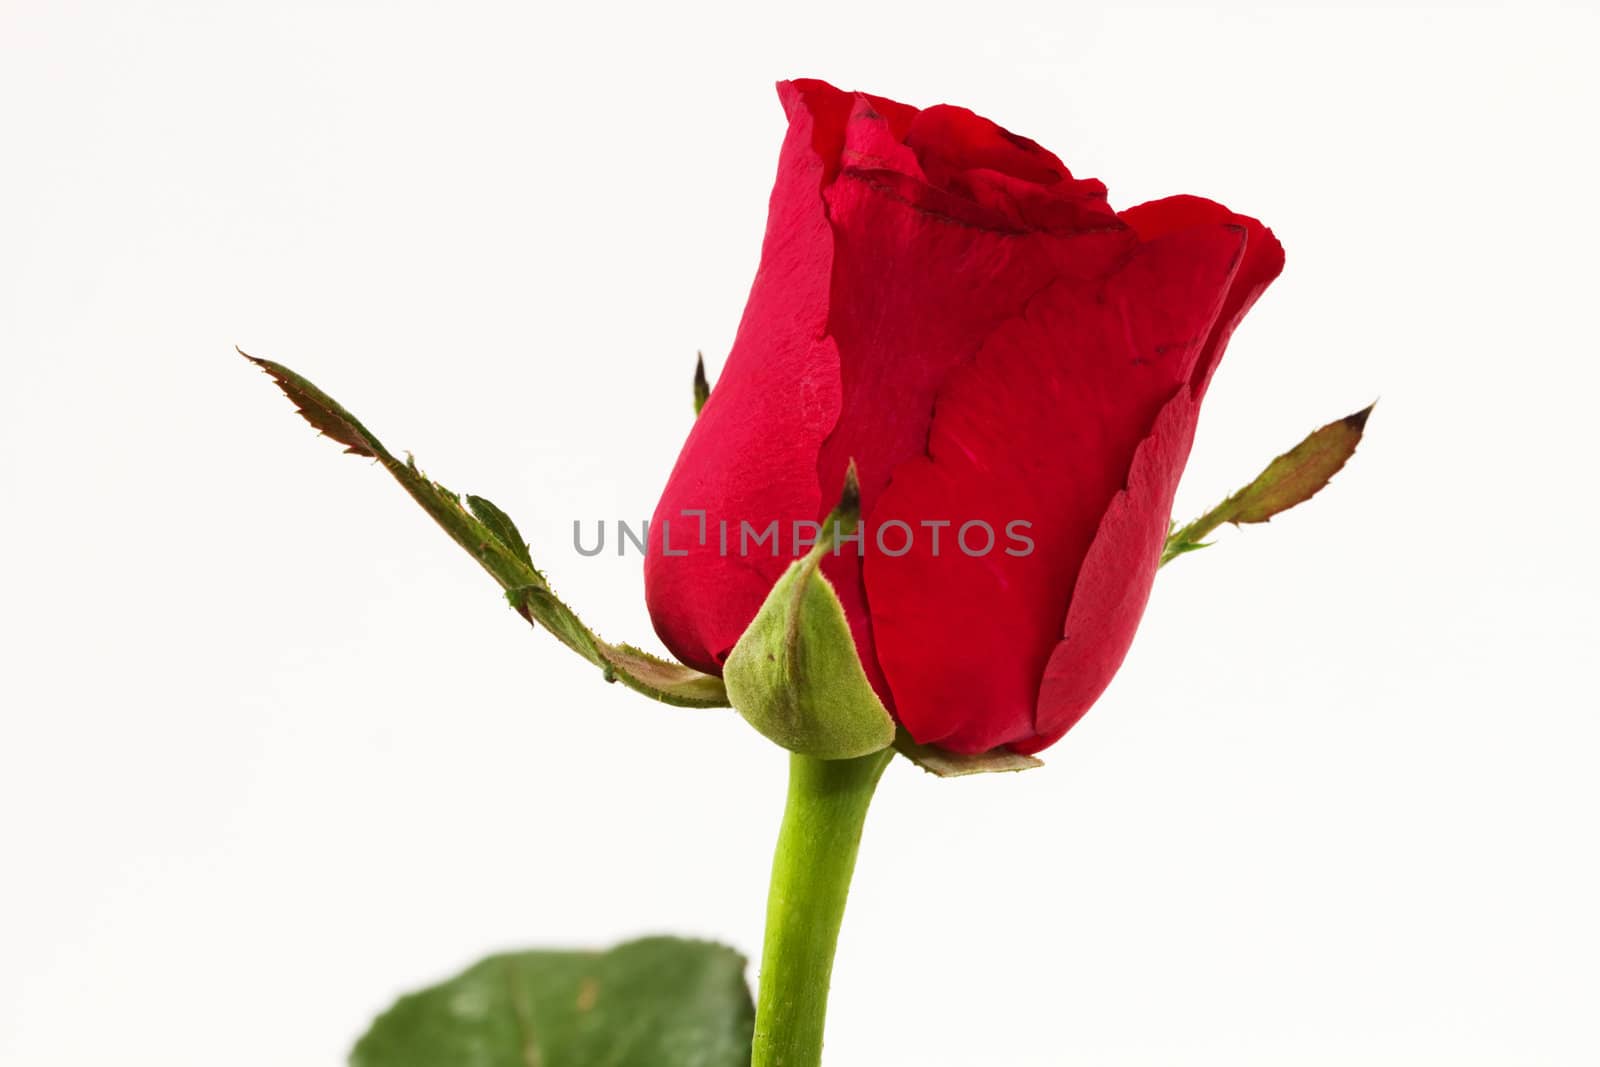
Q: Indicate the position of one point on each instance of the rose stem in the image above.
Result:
(811, 872)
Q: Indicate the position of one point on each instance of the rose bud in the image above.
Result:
(1016, 370)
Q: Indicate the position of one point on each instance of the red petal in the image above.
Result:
(777, 396)
(1113, 586)
(967, 155)
(951, 140)
(914, 296)
(823, 110)
(1040, 427)
(1263, 261)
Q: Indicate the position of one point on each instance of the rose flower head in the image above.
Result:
(1016, 370)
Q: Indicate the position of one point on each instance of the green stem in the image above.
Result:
(810, 880)
(1187, 538)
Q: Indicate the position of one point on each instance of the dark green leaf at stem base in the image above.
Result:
(659, 1002)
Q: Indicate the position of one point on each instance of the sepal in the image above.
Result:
(946, 764)
(795, 674)
(1292, 478)
(702, 384)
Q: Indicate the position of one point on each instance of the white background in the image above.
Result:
(274, 751)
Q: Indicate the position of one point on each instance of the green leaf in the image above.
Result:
(702, 386)
(794, 674)
(491, 538)
(659, 1002)
(937, 761)
(500, 524)
(1292, 478)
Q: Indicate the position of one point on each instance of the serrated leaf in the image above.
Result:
(945, 764)
(1297, 475)
(320, 409)
(500, 524)
(658, 1002)
(490, 537)
(795, 674)
(702, 385)
(1292, 478)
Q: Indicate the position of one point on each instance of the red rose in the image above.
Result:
(941, 301)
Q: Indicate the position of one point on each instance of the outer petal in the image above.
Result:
(752, 454)
(1263, 262)
(916, 294)
(1039, 428)
(1113, 586)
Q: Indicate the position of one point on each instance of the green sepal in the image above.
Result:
(491, 538)
(702, 384)
(658, 1002)
(945, 764)
(1292, 478)
(794, 674)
